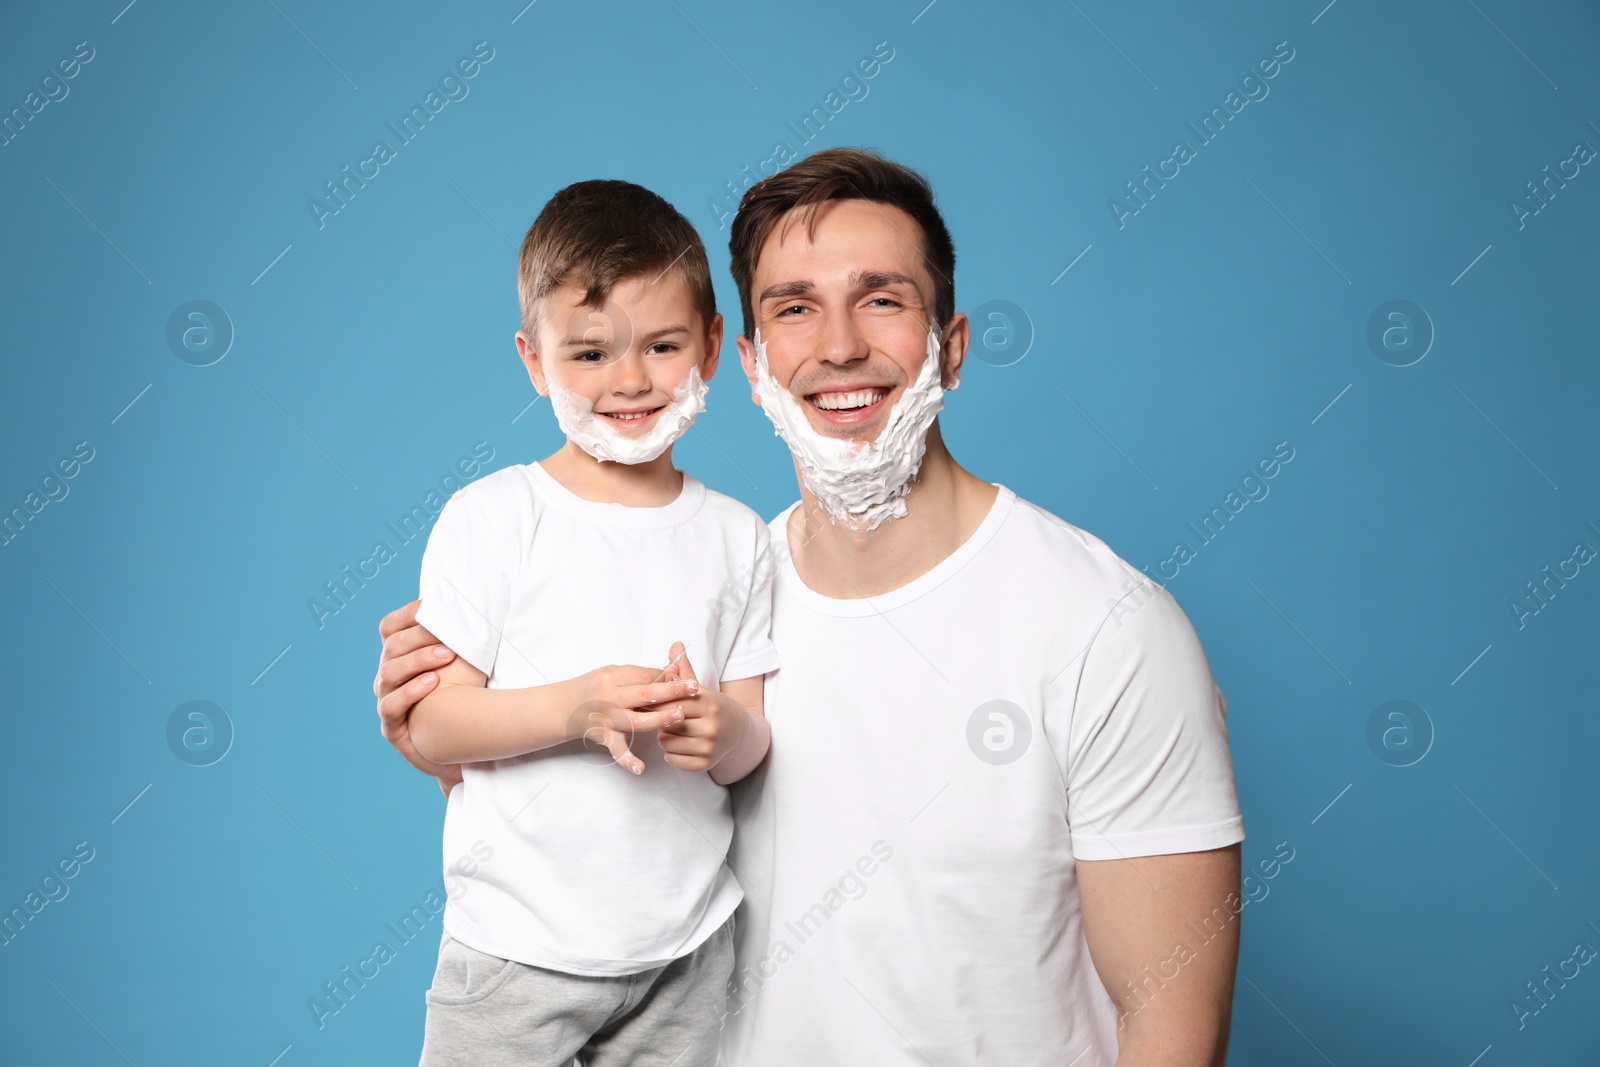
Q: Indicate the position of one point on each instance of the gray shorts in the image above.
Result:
(484, 1011)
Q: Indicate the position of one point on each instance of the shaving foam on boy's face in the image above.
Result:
(607, 435)
(624, 387)
(859, 482)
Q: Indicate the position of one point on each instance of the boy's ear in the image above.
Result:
(747, 360)
(530, 359)
(713, 348)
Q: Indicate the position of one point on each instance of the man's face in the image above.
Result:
(628, 357)
(845, 315)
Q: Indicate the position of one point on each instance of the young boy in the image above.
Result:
(591, 908)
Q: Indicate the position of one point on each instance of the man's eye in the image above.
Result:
(790, 308)
(882, 300)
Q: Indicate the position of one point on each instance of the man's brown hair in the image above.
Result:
(595, 234)
(840, 174)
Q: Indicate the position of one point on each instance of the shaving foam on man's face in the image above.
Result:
(860, 483)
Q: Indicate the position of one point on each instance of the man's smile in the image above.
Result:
(847, 407)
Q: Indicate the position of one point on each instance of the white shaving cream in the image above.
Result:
(603, 440)
(860, 483)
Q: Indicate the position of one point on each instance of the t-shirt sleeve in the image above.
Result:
(753, 652)
(1148, 770)
(464, 583)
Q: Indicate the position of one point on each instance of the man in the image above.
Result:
(998, 821)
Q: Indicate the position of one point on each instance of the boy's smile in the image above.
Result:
(631, 418)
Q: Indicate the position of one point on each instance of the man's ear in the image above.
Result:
(953, 350)
(713, 349)
(530, 359)
(747, 360)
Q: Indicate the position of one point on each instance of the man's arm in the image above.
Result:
(1147, 921)
(408, 665)
(1155, 829)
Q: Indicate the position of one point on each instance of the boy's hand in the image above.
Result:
(712, 724)
(612, 699)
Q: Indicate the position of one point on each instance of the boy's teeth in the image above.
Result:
(844, 401)
(629, 418)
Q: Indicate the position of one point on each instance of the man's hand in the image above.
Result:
(405, 675)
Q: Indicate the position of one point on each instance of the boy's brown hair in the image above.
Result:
(840, 174)
(596, 233)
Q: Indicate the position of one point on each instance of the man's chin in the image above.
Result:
(853, 433)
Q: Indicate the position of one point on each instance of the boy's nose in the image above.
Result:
(628, 377)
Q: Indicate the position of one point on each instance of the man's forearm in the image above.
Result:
(468, 723)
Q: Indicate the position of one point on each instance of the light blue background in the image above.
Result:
(1226, 316)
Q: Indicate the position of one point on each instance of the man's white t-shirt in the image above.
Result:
(942, 755)
(590, 869)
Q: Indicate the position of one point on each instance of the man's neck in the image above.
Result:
(944, 506)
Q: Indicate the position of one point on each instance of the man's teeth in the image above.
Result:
(845, 401)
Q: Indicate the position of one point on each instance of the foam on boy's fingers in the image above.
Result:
(617, 744)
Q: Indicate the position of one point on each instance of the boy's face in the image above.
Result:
(845, 315)
(628, 357)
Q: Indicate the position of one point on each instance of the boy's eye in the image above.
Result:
(663, 347)
(584, 356)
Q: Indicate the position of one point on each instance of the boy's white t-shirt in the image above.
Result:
(942, 756)
(591, 869)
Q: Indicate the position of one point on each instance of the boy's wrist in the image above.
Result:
(565, 699)
(751, 739)
(743, 723)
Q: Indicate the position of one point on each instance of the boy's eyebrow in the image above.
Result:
(574, 342)
(861, 279)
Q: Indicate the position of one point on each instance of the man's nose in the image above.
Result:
(841, 341)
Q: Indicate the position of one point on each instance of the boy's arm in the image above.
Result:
(751, 749)
(463, 721)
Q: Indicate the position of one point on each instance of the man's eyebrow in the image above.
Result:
(786, 289)
(861, 279)
(880, 279)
